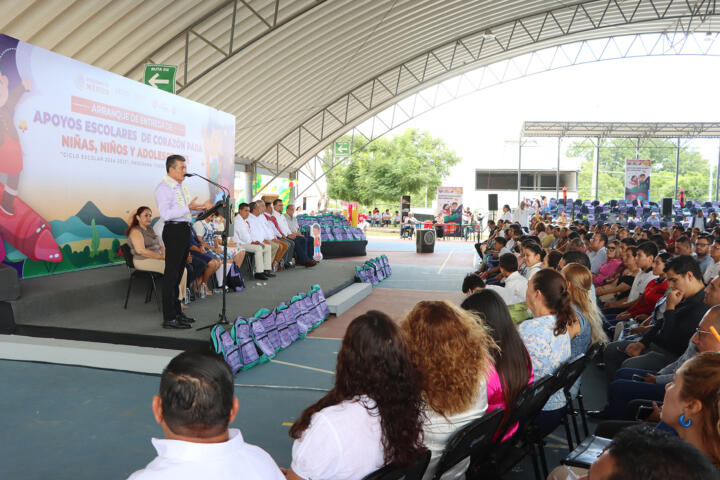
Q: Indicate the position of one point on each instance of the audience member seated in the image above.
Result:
(640, 452)
(257, 224)
(288, 246)
(294, 227)
(702, 252)
(492, 260)
(612, 267)
(552, 259)
(511, 369)
(579, 283)
(645, 258)
(533, 255)
(299, 241)
(597, 252)
(195, 405)
(631, 383)
(371, 416)
(205, 231)
(438, 335)
(621, 288)
(472, 283)
(683, 246)
(714, 269)
(691, 406)
(547, 336)
(667, 340)
(147, 253)
(397, 220)
(386, 218)
(252, 241)
(513, 290)
(212, 264)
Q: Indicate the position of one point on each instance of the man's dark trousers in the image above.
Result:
(176, 237)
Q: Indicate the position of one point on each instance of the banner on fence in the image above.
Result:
(637, 180)
(450, 204)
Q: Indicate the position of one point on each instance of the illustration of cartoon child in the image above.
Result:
(317, 242)
(20, 225)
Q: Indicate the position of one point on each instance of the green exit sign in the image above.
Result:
(161, 77)
(342, 149)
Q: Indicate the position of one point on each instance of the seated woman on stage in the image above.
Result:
(511, 369)
(206, 232)
(451, 350)
(212, 263)
(371, 417)
(147, 252)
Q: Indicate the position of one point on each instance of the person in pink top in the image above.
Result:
(511, 369)
(612, 267)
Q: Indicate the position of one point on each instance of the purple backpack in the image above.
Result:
(320, 302)
(302, 316)
(281, 322)
(225, 345)
(260, 337)
(267, 317)
(243, 339)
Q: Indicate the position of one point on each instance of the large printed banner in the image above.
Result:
(81, 148)
(449, 202)
(637, 180)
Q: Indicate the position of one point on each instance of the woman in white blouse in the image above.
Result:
(451, 349)
(373, 414)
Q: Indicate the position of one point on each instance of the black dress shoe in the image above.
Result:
(175, 323)
(261, 276)
(185, 319)
(268, 273)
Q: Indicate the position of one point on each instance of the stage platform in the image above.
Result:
(88, 305)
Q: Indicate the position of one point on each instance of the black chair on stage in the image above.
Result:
(474, 442)
(413, 472)
(134, 273)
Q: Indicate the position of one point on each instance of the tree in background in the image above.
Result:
(693, 173)
(387, 168)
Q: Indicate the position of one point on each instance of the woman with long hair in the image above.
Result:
(511, 368)
(692, 404)
(547, 335)
(451, 350)
(147, 251)
(373, 414)
(579, 280)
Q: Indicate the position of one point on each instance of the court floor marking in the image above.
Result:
(282, 387)
(302, 366)
(442, 267)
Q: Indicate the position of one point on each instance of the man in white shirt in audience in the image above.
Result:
(259, 230)
(702, 252)
(597, 253)
(252, 241)
(714, 269)
(515, 284)
(299, 240)
(195, 406)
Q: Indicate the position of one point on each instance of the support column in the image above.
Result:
(677, 167)
(717, 176)
(597, 168)
(557, 172)
(250, 181)
(519, 164)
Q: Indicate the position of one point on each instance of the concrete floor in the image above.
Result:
(60, 421)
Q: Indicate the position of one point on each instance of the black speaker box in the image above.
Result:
(492, 202)
(667, 208)
(425, 239)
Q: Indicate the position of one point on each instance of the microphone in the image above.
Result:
(189, 175)
(224, 189)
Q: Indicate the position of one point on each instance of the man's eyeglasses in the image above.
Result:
(712, 332)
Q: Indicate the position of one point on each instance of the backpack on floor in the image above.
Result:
(267, 317)
(312, 313)
(386, 264)
(319, 300)
(282, 328)
(234, 279)
(246, 345)
(288, 322)
(302, 316)
(225, 345)
(260, 337)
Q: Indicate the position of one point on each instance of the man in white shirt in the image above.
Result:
(292, 222)
(252, 241)
(288, 258)
(714, 269)
(194, 408)
(299, 240)
(515, 284)
(261, 233)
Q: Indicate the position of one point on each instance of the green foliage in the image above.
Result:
(693, 172)
(387, 168)
(114, 249)
(95, 242)
(71, 261)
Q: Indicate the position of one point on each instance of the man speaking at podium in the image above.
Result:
(171, 197)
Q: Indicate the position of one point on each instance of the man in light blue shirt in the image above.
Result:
(597, 254)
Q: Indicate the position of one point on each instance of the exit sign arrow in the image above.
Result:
(156, 80)
(161, 77)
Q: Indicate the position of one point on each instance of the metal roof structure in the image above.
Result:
(622, 129)
(299, 73)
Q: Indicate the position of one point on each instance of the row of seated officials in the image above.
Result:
(437, 370)
(261, 228)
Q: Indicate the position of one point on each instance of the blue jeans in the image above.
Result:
(623, 389)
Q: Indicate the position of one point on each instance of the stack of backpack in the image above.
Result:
(374, 270)
(259, 338)
(333, 227)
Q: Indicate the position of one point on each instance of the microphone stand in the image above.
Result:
(225, 208)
